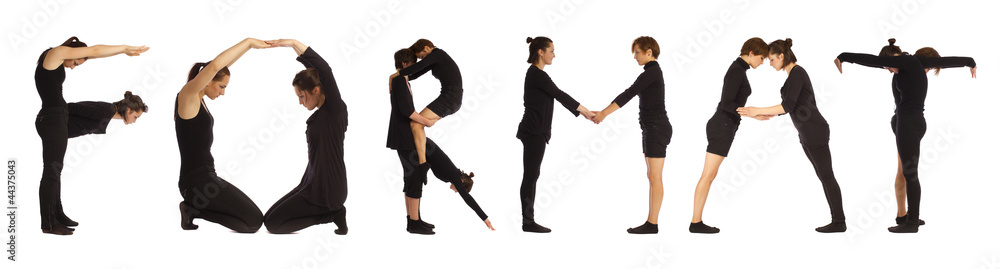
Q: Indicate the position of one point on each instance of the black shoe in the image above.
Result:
(414, 227)
(422, 171)
(58, 229)
(906, 227)
(645, 228)
(422, 222)
(187, 221)
(900, 220)
(833, 227)
(65, 220)
(701, 228)
(533, 227)
(340, 218)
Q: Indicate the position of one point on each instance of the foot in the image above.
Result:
(58, 229)
(833, 227)
(340, 218)
(701, 228)
(900, 220)
(65, 220)
(422, 222)
(414, 227)
(533, 227)
(645, 228)
(906, 227)
(187, 220)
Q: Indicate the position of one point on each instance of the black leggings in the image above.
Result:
(909, 129)
(534, 150)
(50, 123)
(293, 212)
(209, 197)
(442, 166)
(823, 164)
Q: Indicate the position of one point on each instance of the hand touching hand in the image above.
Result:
(280, 42)
(748, 111)
(258, 44)
(763, 117)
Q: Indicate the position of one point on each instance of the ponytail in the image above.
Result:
(199, 66)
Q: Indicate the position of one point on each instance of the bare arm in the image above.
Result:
(59, 54)
(187, 99)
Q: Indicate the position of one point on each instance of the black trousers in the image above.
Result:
(534, 151)
(442, 166)
(209, 197)
(909, 129)
(294, 212)
(50, 123)
(823, 164)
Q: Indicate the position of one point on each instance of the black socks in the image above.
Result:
(701, 228)
(899, 220)
(910, 225)
(422, 222)
(340, 218)
(416, 227)
(533, 227)
(833, 227)
(645, 228)
(187, 219)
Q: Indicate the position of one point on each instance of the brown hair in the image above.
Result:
(306, 80)
(420, 44)
(647, 43)
(891, 49)
(199, 66)
(404, 56)
(783, 47)
(929, 52)
(536, 44)
(467, 180)
(130, 101)
(74, 42)
(755, 45)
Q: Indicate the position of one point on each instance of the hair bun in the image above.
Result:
(128, 94)
(788, 42)
(892, 41)
(530, 39)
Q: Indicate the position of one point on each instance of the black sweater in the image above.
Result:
(89, 118)
(540, 94)
(909, 85)
(650, 89)
(799, 101)
(441, 66)
(325, 177)
(735, 88)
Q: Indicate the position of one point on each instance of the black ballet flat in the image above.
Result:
(58, 229)
(340, 218)
(187, 221)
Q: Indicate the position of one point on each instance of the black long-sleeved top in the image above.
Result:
(650, 89)
(49, 83)
(400, 137)
(441, 66)
(540, 94)
(89, 118)
(799, 100)
(735, 88)
(325, 178)
(909, 85)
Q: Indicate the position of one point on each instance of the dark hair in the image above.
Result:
(132, 102)
(536, 44)
(891, 49)
(404, 56)
(467, 180)
(929, 52)
(197, 69)
(783, 47)
(647, 43)
(74, 42)
(306, 80)
(755, 45)
(420, 44)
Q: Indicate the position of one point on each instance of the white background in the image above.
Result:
(121, 186)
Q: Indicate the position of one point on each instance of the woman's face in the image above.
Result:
(776, 60)
(642, 57)
(214, 89)
(308, 99)
(131, 116)
(73, 63)
(549, 54)
(755, 60)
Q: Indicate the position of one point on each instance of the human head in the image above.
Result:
(404, 58)
(422, 47)
(74, 42)
(929, 52)
(308, 88)
(780, 53)
(891, 50)
(754, 50)
(645, 49)
(540, 49)
(466, 181)
(216, 87)
(130, 108)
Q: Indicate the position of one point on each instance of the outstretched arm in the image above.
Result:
(868, 60)
(61, 53)
(949, 62)
(294, 44)
(224, 59)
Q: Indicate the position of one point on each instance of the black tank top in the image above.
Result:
(194, 139)
(49, 83)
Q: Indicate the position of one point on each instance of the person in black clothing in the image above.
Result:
(799, 100)
(206, 195)
(400, 138)
(319, 197)
(442, 67)
(721, 128)
(535, 128)
(90, 117)
(909, 89)
(52, 122)
(656, 129)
